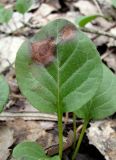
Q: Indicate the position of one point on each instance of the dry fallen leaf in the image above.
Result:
(6, 140)
(102, 135)
(8, 49)
(32, 131)
(111, 61)
(86, 7)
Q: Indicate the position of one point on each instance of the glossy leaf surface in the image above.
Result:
(103, 104)
(31, 151)
(59, 67)
(4, 92)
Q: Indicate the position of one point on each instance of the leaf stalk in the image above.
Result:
(60, 129)
(74, 129)
(80, 139)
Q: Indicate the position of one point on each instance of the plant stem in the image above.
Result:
(74, 129)
(98, 32)
(60, 129)
(80, 139)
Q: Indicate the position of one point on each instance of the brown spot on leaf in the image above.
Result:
(68, 32)
(43, 51)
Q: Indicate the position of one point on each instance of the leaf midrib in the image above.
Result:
(58, 76)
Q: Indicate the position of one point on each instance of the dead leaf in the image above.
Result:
(6, 140)
(111, 61)
(86, 7)
(102, 135)
(8, 49)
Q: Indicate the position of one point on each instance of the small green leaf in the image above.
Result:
(59, 67)
(31, 151)
(83, 20)
(114, 3)
(23, 6)
(8, 15)
(5, 15)
(1, 15)
(4, 92)
(103, 104)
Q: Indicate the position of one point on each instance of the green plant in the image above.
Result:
(83, 20)
(31, 151)
(103, 104)
(23, 6)
(58, 65)
(58, 70)
(5, 14)
(4, 92)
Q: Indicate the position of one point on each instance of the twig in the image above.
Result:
(30, 25)
(6, 116)
(98, 7)
(10, 65)
(98, 32)
(67, 142)
(106, 30)
(17, 96)
(105, 55)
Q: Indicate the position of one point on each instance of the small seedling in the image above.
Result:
(83, 20)
(58, 70)
(4, 92)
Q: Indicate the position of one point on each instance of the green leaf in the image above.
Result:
(60, 67)
(114, 3)
(103, 104)
(8, 15)
(83, 20)
(4, 92)
(1, 15)
(23, 6)
(31, 151)
(5, 15)
(55, 158)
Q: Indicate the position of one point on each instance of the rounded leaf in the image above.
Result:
(31, 151)
(59, 66)
(28, 151)
(103, 104)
